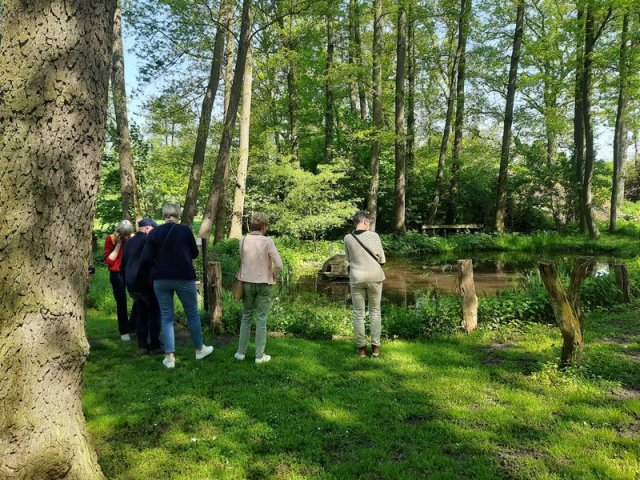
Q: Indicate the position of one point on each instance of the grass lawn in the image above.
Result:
(488, 405)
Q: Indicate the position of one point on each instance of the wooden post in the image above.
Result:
(214, 275)
(468, 297)
(622, 280)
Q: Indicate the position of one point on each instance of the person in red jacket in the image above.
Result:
(113, 251)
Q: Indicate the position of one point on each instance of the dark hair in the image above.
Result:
(360, 216)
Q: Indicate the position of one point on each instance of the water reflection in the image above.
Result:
(409, 277)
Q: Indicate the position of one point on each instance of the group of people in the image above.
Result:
(157, 262)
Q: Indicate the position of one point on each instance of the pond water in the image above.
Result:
(409, 277)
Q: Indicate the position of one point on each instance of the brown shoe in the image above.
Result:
(375, 350)
(362, 351)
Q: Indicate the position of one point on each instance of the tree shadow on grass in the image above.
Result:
(424, 410)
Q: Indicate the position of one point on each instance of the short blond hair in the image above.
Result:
(258, 221)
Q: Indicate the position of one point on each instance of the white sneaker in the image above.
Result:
(239, 356)
(125, 337)
(169, 363)
(263, 359)
(203, 352)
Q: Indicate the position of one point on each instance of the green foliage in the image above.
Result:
(299, 203)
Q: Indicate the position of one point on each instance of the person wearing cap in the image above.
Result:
(136, 278)
(113, 251)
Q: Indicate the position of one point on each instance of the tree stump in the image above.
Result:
(214, 277)
(468, 297)
(622, 280)
(566, 307)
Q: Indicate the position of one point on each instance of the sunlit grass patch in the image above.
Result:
(487, 405)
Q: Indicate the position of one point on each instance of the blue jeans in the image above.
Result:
(186, 291)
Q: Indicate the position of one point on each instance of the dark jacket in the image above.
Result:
(170, 250)
(136, 275)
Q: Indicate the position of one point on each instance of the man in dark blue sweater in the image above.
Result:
(138, 282)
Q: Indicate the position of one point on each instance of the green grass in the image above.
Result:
(488, 405)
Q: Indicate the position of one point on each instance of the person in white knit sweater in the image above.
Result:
(365, 256)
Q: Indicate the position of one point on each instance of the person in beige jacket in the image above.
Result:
(260, 264)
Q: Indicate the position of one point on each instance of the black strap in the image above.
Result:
(368, 251)
(165, 240)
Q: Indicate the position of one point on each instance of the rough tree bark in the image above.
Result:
(362, 81)
(400, 140)
(191, 199)
(224, 152)
(55, 60)
(128, 185)
(456, 160)
(351, 59)
(501, 203)
(378, 120)
(566, 307)
(243, 161)
(620, 134)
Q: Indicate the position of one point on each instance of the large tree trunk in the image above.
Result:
(191, 199)
(55, 60)
(446, 132)
(378, 120)
(128, 186)
(243, 161)
(329, 110)
(456, 160)
(620, 135)
(501, 204)
(400, 140)
(566, 307)
(224, 152)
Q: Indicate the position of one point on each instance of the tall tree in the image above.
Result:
(243, 161)
(501, 204)
(357, 40)
(128, 185)
(190, 203)
(400, 140)
(224, 152)
(620, 133)
(444, 142)
(592, 32)
(456, 160)
(55, 60)
(221, 215)
(578, 117)
(290, 46)
(378, 120)
(329, 110)
(411, 87)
